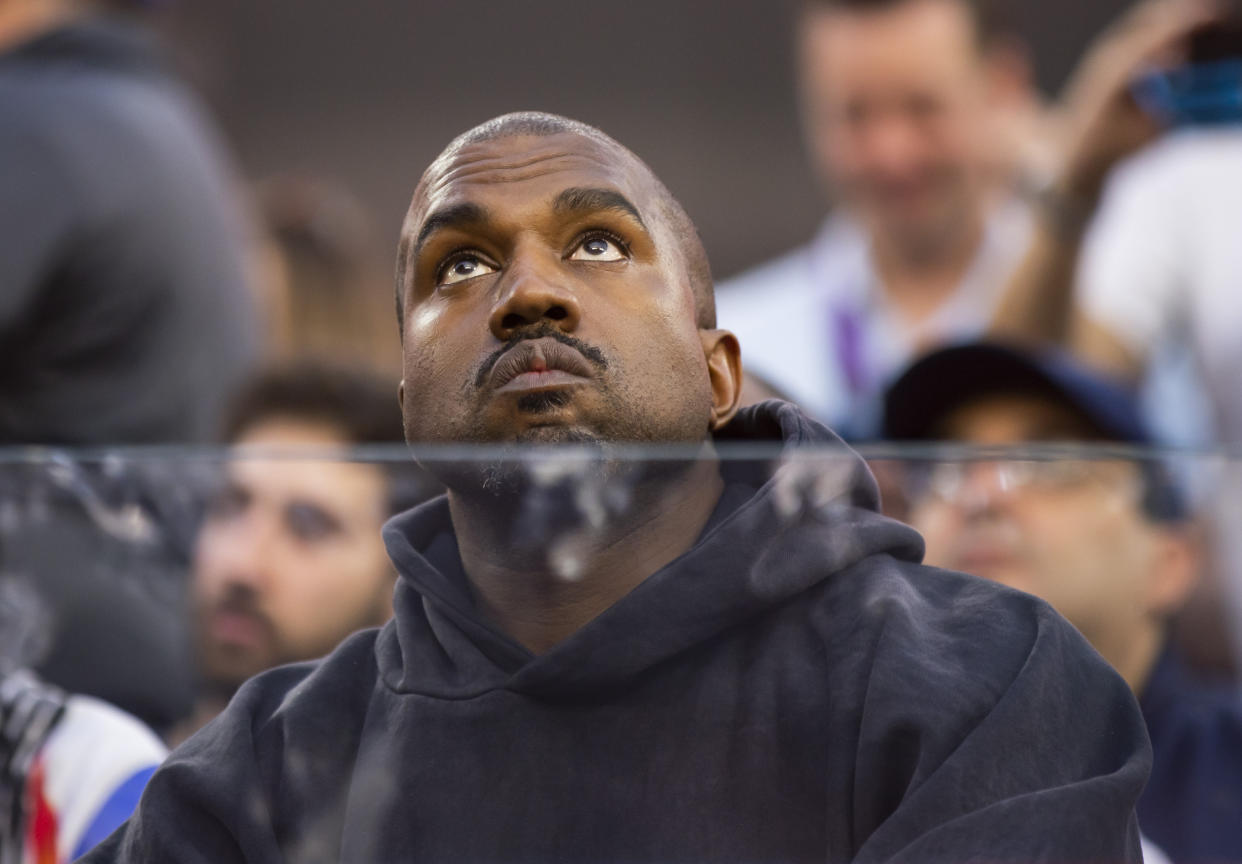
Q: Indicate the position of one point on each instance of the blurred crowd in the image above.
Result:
(997, 269)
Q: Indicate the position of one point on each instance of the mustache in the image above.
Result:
(241, 600)
(543, 331)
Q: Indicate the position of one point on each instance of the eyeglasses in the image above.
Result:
(951, 481)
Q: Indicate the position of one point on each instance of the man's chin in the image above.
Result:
(920, 222)
(915, 228)
(228, 670)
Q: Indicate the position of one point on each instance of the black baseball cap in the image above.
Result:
(917, 403)
(945, 380)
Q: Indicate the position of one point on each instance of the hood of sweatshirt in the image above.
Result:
(784, 525)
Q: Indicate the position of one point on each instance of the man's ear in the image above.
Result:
(401, 394)
(724, 368)
(1177, 564)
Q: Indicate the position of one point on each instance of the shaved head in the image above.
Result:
(537, 124)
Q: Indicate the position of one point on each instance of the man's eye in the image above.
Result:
(309, 523)
(598, 249)
(462, 268)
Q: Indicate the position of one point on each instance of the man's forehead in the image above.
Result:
(517, 164)
(296, 452)
(1014, 417)
(326, 479)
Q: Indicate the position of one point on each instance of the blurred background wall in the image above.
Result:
(368, 93)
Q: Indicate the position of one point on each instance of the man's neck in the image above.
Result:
(1135, 658)
(519, 586)
(23, 20)
(919, 278)
(208, 706)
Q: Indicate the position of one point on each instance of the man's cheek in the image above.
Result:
(425, 362)
(422, 320)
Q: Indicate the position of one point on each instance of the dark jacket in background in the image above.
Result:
(794, 688)
(1192, 807)
(125, 316)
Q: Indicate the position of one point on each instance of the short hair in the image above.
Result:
(360, 404)
(540, 124)
(328, 302)
(993, 19)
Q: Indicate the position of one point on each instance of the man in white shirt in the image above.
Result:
(901, 103)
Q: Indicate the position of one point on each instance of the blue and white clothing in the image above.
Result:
(74, 770)
(1191, 804)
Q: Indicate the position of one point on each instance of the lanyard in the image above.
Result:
(846, 327)
(849, 333)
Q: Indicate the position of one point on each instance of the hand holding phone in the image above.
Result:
(1206, 90)
(1105, 117)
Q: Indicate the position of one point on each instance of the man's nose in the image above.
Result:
(894, 145)
(985, 486)
(242, 553)
(533, 290)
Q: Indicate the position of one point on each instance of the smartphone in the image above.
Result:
(1204, 91)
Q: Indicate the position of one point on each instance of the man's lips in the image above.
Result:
(983, 559)
(237, 628)
(538, 363)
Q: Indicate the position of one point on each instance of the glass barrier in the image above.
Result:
(160, 580)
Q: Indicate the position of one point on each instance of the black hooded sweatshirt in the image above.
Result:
(796, 687)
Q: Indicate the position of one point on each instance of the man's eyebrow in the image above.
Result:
(589, 200)
(452, 216)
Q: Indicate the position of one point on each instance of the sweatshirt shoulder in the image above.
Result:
(907, 595)
(928, 630)
(336, 683)
(274, 761)
(985, 722)
(284, 704)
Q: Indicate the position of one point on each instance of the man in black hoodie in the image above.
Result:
(701, 661)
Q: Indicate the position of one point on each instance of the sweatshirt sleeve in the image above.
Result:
(998, 738)
(207, 804)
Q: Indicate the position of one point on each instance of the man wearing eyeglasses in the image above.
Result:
(1106, 541)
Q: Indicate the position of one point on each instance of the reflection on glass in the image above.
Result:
(256, 557)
